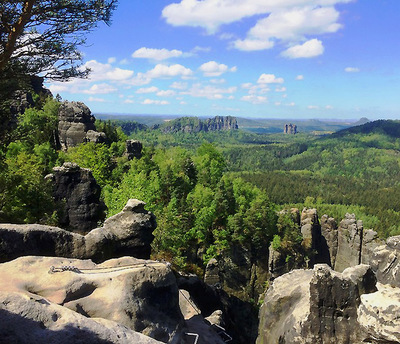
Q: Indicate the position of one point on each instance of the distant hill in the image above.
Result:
(390, 128)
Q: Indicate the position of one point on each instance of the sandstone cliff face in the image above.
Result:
(106, 303)
(127, 233)
(78, 197)
(315, 306)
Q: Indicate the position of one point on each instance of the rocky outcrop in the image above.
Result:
(290, 129)
(59, 299)
(385, 261)
(77, 195)
(378, 315)
(133, 149)
(76, 125)
(350, 234)
(195, 125)
(127, 233)
(324, 242)
(349, 244)
(315, 306)
(95, 137)
(221, 123)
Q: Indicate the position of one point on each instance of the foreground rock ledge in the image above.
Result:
(105, 303)
(320, 306)
(128, 233)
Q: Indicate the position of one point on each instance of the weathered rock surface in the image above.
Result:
(385, 261)
(315, 306)
(78, 197)
(329, 235)
(133, 149)
(378, 315)
(91, 304)
(126, 233)
(75, 120)
(95, 137)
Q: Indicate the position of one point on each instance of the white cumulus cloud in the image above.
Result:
(213, 68)
(164, 71)
(104, 71)
(287, 21)
(156, 54)
(300, 77)
(308, 49)
(270, 79)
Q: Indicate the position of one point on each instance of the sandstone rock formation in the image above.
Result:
(324, 242)
(378, 315)
(350, 244)
(60, 300)
(315, 306)
(133, 149)
(95, 137)
(78, 197)
(76, 125)
(127, 233)
(290, 129)
(195, 125)
(385, 261)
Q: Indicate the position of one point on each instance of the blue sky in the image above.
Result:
(333, 59)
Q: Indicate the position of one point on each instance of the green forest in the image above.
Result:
(212, 190)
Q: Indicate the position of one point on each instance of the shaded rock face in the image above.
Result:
(106, 303)
(238, 317)
(76, 125)
(385, 261)
(133, 149)
(78, 197)
(329, 234)
(127, 233)
(315, 306)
